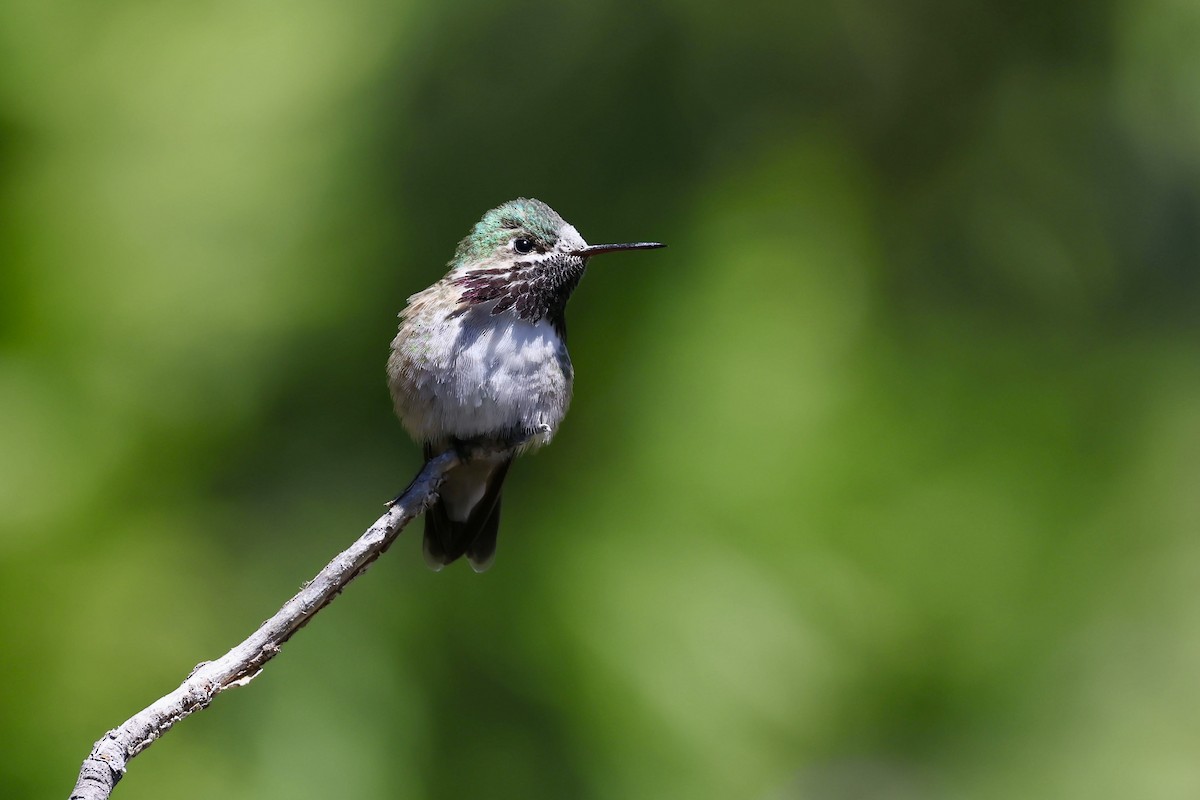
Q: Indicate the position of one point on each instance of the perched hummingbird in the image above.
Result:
(481, 360)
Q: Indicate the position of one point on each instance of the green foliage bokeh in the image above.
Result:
(880, 482)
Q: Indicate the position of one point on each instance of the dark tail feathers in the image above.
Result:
(446, 539)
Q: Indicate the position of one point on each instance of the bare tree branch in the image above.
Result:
(107, 762)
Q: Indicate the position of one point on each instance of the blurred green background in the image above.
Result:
(880, 482)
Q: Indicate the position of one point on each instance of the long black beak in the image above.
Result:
(598, 249)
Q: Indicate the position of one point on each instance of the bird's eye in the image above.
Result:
(522, 245)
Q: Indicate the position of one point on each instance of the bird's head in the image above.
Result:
(522, 256)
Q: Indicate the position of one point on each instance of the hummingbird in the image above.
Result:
(480, 361)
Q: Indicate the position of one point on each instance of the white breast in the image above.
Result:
(476, 375)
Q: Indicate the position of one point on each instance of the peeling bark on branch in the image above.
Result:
(107, 762)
